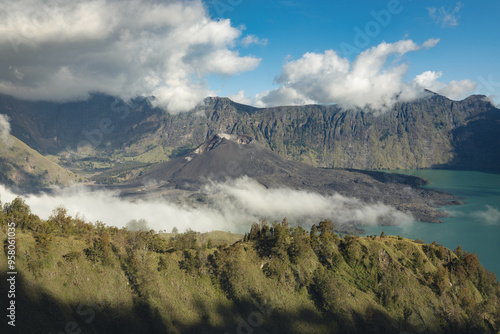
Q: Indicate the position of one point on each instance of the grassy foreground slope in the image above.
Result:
(89, 278)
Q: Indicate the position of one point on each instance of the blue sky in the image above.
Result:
(469, 45)
(263, 53)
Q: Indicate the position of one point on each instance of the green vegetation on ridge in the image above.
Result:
(277, 279)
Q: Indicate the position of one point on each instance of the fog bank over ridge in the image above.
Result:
(234, 205)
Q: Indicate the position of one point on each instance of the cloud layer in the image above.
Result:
(233, 207)
(248, 198)
(63, 50)
(4, 130)
(369, 81)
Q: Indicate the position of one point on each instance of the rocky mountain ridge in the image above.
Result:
(432, 132)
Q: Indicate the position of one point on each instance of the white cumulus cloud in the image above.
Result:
(371, 80)
(64, 50)
(454, 89)
(242, 98)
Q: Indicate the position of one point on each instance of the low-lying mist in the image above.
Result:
(229, 206)
(491, 216)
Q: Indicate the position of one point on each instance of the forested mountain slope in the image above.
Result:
(278, 279)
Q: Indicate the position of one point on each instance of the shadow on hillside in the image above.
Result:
(476, 144)
(47, 314)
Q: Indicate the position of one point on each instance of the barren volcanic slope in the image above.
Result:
(231, 156)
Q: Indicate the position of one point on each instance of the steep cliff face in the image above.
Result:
(432, 132)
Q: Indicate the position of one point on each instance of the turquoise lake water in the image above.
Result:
(475, 226)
